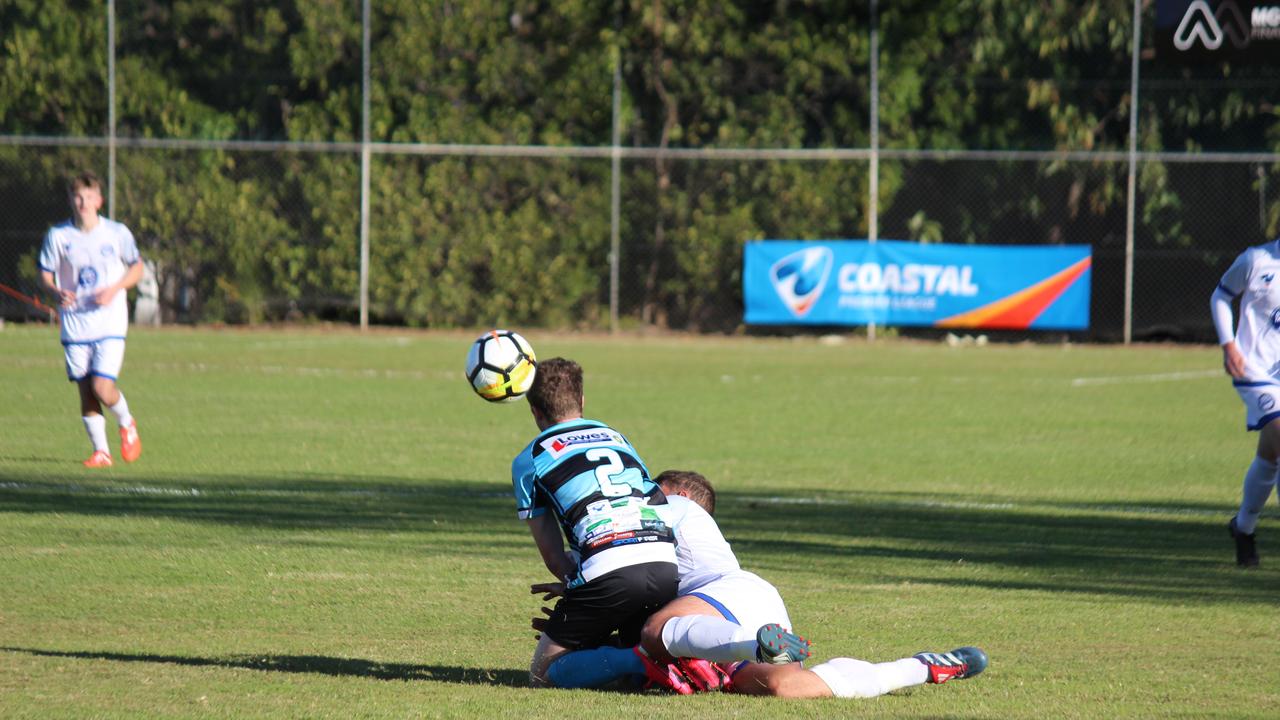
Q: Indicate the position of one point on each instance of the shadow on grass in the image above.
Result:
(1167, 551)
(334, 502)
(312, 664)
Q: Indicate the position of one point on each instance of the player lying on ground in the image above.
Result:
(583, 478)
(718, 605)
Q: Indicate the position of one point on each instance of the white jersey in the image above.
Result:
(1255, 278)
(87, 262)
(709, 569)
(702, 553)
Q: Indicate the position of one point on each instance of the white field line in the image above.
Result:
(1150, 378)
(945, 504)
(76, 489)
(73, 489)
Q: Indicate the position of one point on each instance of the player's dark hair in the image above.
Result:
(695, 487)
(85, 179)
(556, 391)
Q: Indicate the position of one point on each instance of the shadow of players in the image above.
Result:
(310, 664)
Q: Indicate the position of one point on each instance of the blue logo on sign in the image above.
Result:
(107, 251)
(800, 277)
(88, 278)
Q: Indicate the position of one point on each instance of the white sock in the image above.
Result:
(1258, 481)
(709, 637)
(96, 426)
(121, 411)
(849, 678)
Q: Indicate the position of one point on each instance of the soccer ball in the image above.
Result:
(501, 366)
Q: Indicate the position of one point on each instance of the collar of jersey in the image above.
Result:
(576, 422)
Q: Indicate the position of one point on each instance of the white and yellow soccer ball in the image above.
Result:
(501, 366)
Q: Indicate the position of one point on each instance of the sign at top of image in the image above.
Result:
(1218, 30)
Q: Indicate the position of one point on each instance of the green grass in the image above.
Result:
(321, 525)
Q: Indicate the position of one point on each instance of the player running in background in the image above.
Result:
(90, 262)
(706, 622)
(1251, 356)
(583, 477)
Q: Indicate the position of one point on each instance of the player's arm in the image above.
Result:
(546, 535)
(130, 278)
(66, 298)
(1223, 320)
(49, 259)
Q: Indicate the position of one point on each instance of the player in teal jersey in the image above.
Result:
(584, 479)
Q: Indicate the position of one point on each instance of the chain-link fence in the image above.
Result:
(482, 219)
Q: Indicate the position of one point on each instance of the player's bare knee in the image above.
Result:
(105, 390)
(544, 654)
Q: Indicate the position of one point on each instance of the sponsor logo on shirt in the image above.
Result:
(560, 444)
(1275, 318)
(89, 278)
(107, 251)
(1266, 402)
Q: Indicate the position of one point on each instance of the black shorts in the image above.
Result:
(618, 601)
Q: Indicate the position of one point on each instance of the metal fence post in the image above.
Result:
(873, 192)
(364, 167)
(1133, 164)
(111, 108)
(615, 189)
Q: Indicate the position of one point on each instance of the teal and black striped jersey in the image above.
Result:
(591, 477)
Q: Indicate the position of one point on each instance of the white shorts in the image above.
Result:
(102, 358)
(1261, 402)
(745, 598)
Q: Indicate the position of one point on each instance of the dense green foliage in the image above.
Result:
(321, 525)
(460, 241)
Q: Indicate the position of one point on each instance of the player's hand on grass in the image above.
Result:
(551, 589)
(540, 623)
(1232, 360)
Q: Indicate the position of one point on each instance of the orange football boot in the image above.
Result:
(99, 458)
(130, 443)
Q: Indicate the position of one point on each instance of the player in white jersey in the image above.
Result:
(90, 262)
(1251, 356)
(722, 594)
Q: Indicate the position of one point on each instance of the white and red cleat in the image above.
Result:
(959, 664)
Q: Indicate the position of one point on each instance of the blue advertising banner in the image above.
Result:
(855, 282)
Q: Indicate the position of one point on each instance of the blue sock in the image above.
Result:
(593, 668)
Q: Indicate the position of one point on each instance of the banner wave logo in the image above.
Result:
(800, 278)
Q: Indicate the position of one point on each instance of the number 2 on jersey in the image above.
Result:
(606, 472)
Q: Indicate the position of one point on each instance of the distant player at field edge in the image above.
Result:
(1251, 356)
(89, 262)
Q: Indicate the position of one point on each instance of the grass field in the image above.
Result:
(321, 524)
